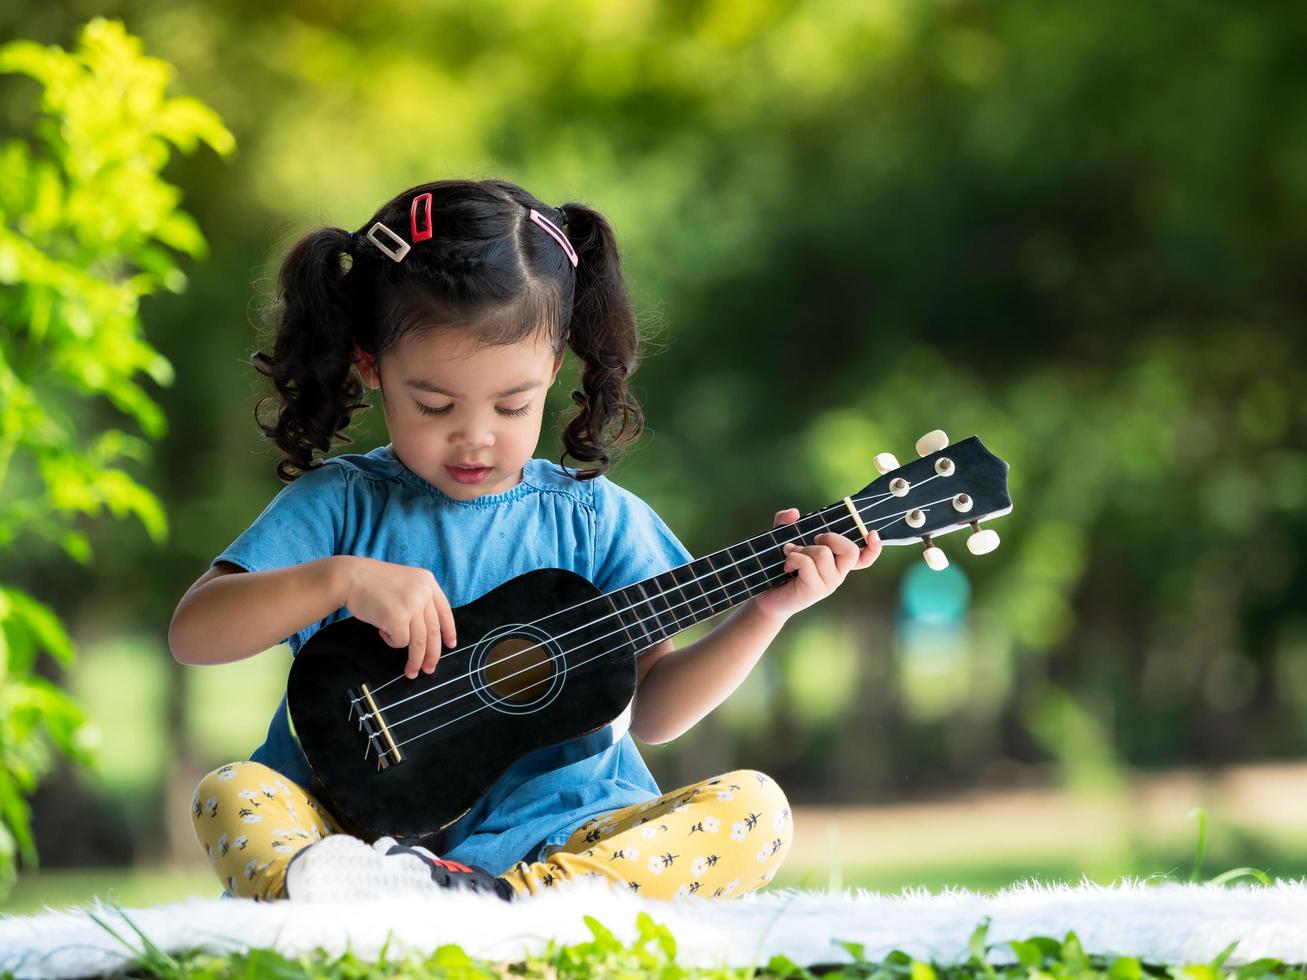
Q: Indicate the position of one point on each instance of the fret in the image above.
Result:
(821, 516)
(651, 616)
(806, 534)
(839, 512)
(715, 590)
(759, 581)
(679, 603)
(665, 604)
(777, 574)
(745, 565)
(694, 588)
(629, 615)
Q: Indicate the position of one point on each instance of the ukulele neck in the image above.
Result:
(666, 604)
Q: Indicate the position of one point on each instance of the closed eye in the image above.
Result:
(429, 410)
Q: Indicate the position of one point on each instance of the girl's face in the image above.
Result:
(452, 404)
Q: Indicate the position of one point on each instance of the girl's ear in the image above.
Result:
(367, 365)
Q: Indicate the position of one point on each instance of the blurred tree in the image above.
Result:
(87, 228)
(1076, 230)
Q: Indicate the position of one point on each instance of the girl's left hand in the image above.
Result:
(821, 565)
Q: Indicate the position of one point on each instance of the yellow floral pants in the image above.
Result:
(720, 838)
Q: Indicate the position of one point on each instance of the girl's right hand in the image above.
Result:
(407, 607)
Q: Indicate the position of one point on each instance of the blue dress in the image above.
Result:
(372, 505)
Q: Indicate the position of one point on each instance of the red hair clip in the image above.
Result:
(425, 233)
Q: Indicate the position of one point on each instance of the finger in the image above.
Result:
(398, 637)
(433, 639)
(417, 648)
(447, 629)
(870, 551)
(787, 516)
(843, 551)
(807, 570)
(824, 561)
(798, 560)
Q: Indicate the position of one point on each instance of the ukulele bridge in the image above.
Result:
(373, 724)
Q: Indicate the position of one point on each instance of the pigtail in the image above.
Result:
(602, 333)
(312, 356)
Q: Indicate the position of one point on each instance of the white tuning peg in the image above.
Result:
(885, 462)
(932, 442)
(982, 542)
(935, 558)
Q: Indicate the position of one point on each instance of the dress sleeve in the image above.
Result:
(306, 520)
(631, 541)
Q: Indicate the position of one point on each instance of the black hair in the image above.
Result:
(487, 268)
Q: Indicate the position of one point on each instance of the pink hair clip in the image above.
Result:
(556, 234)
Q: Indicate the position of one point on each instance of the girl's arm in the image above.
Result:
(231, 614)
(678, 687)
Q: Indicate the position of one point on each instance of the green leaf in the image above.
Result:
(77, 546)
(1218, 963)
(180, 231)
(1073, 954)
(1028, 954)
(603, 936)
(1225, 877)
(784, 968)
(1259, 968)
(1125, 968)
(976, 947)
(40, 623)
(184, 120)
(1200, 815)
(857, 950)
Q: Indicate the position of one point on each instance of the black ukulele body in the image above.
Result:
(419, 754)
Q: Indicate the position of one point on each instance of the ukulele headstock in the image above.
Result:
(948, 488)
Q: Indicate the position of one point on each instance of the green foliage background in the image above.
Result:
(1076, 230)
(85, 221)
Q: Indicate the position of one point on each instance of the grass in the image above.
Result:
(115, 886)
(652, 953)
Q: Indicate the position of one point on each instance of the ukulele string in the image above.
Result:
(764, 568)
(468, 714)
(680, 586)
(768, 583)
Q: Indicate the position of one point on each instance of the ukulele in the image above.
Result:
(546, 657)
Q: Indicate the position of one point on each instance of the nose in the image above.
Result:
(475, 434)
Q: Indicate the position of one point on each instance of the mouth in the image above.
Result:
(468, 474)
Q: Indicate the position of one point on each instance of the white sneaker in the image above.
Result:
(341, 868)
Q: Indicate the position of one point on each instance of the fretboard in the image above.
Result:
(666, 604)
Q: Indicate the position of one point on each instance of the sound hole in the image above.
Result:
(518, 669)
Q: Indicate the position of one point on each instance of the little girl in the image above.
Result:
(457, 300)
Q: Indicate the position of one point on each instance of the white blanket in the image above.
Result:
(1158, 923)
